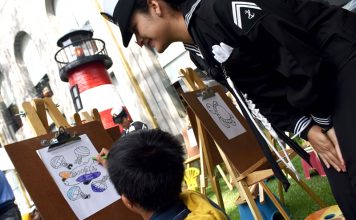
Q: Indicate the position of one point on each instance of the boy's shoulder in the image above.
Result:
(200, 207)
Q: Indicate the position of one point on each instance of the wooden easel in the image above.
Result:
(242, 169)
(36, 114)
(38, 182)
(41, 186)
(208, 159)
(95, 116)
(251, 173)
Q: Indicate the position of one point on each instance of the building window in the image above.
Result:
(76, 98)
(28, 57)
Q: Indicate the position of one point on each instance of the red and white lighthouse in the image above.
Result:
(83, 62)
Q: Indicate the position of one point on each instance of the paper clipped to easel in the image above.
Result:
(83, 182)
(222, 115)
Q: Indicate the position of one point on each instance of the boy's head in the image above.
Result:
(146, 168)
(120, 116)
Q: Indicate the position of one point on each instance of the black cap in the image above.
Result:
(120, 12)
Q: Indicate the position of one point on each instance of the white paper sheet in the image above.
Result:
(222, 116)
(82, 181)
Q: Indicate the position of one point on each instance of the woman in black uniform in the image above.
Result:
(296, 60)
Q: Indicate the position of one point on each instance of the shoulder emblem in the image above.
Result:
(245, 14)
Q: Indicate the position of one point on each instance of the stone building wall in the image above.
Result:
(37, 20)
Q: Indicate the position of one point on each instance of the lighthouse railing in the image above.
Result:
(78, 50)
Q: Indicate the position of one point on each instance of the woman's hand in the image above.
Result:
(325, 148)
(101, 157)
(332, 136)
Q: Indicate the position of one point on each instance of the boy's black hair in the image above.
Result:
(147, 167)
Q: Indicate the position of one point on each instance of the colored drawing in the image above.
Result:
(81, 152)
(59, 161)
(86, 178)
(85, 186)
(100, 185)
(70, 178)
(74, 193)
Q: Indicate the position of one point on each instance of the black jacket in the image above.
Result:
(283, 57)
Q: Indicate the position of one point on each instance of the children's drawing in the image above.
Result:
(75, 193)
(87, 177)
(81, 152)
(100, 185)
(59, 161)
(80, 174)
(85, 185)
(224, 116)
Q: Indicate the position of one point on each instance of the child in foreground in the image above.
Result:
(146, 168)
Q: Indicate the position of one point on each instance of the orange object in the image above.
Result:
(328, 213)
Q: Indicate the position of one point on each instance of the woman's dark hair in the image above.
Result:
(147, 167)
(175, 3)
(141, 5)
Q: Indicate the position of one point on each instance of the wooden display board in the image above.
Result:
(42, 188)
(243, 151)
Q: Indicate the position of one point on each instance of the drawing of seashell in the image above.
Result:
(81, 152)
(59, 161)
(74, 193)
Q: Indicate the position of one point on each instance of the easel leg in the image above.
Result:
(202, 172)
(223, 175)
(242, 187)
(245, 192)
(35, 122)
(280, 193)
(306, 189)
(275, 201)
(23, 190)
(216, 188)
(208, 163)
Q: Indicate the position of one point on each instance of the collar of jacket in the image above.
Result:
(188, 8)
(177, 211)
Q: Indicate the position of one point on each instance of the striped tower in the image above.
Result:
(83, 62)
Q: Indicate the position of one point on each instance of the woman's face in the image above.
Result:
(152, 29)
(126, 123)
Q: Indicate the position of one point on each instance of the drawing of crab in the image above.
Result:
(223, 115)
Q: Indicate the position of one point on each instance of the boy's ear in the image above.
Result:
(156, 6)
(127, 202)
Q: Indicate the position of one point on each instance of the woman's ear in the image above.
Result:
(156, 6)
